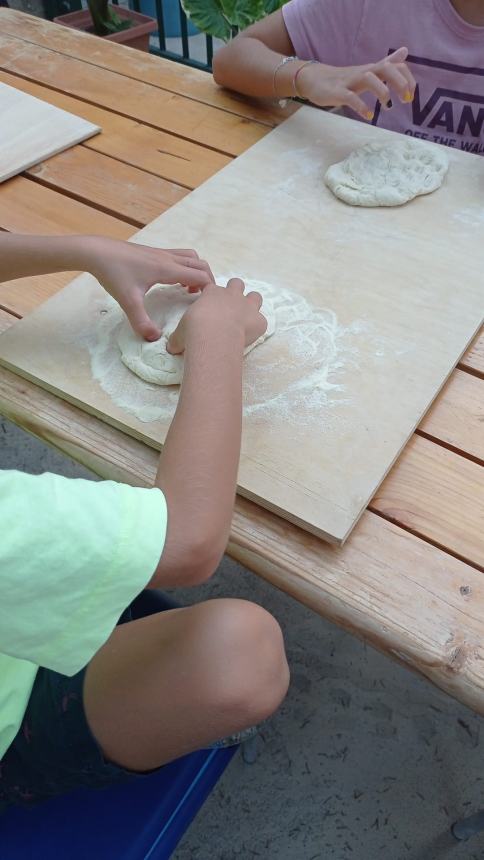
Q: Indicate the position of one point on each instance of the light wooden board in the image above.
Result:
(32, 130)
(404, 313)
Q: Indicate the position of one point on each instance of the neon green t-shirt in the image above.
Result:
(73, 555)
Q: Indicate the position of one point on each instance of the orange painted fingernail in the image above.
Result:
(370, 115)
(408, 97)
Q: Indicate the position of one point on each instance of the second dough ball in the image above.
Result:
(388, 174)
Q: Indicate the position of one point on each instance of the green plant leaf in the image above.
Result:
(241, 13)
(223, 18)
(114, 24)
(272, 5)
(105, 20)
(207, 15)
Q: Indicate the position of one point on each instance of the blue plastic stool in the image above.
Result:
(134, 821)
(137, 820)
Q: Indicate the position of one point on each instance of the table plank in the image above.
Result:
(473, 360)
(162, 73)
(109, 185)
(21, 296)
(225, 132)
(132, 142)
(399, 593)
(27, 207)
(457, 416)
(438, 495)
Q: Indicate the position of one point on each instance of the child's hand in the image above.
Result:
(218, 308)
(332, 86)
(127, 271)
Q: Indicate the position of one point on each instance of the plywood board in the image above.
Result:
(32, 129)
(374, 309)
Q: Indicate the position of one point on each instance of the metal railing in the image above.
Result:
(159, 44)
(164, 51)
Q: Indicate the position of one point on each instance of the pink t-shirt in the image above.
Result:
(446, 58)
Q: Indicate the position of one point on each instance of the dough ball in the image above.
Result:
(388, 174)
(166, 306)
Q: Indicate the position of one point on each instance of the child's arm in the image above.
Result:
(199, 461)
(198, 465)
(125, 270)
(250, 64)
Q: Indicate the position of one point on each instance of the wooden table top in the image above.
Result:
(410, 579)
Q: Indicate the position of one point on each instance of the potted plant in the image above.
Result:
(115, 23)
(224, 18)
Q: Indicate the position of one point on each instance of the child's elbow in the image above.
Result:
(188, 563)
(202, 559)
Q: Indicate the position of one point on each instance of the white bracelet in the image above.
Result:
(280, 64)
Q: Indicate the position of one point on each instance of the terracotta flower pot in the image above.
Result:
(136, 36)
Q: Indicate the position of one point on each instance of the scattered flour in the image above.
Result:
(471, 216)
(295, 373)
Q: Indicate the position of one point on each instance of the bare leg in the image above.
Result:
(177, 681)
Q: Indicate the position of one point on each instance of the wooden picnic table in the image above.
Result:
(410, 579)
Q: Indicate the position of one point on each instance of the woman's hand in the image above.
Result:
(333, 86)
(127, 271)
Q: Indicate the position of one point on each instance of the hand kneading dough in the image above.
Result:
(166, 306)
(388, 174)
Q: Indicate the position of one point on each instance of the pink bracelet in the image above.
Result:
(294, 80)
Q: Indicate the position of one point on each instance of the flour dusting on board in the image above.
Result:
(470, 216)
(292, 375)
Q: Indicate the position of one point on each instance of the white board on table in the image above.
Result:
(374, 309)
(32, 130)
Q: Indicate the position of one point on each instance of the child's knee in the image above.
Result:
(252, 674)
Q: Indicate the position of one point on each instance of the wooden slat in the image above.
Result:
(157, 152)
(457, 416)
(404, 596)
(161, 73)
(109, 185)
(438, 495)
(26, 207)
(189, 119)
(25, 294)
(6, 320)
(473, 360)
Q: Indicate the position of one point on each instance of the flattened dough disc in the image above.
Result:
(388, 174)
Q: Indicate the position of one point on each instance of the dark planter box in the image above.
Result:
(137, 36)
